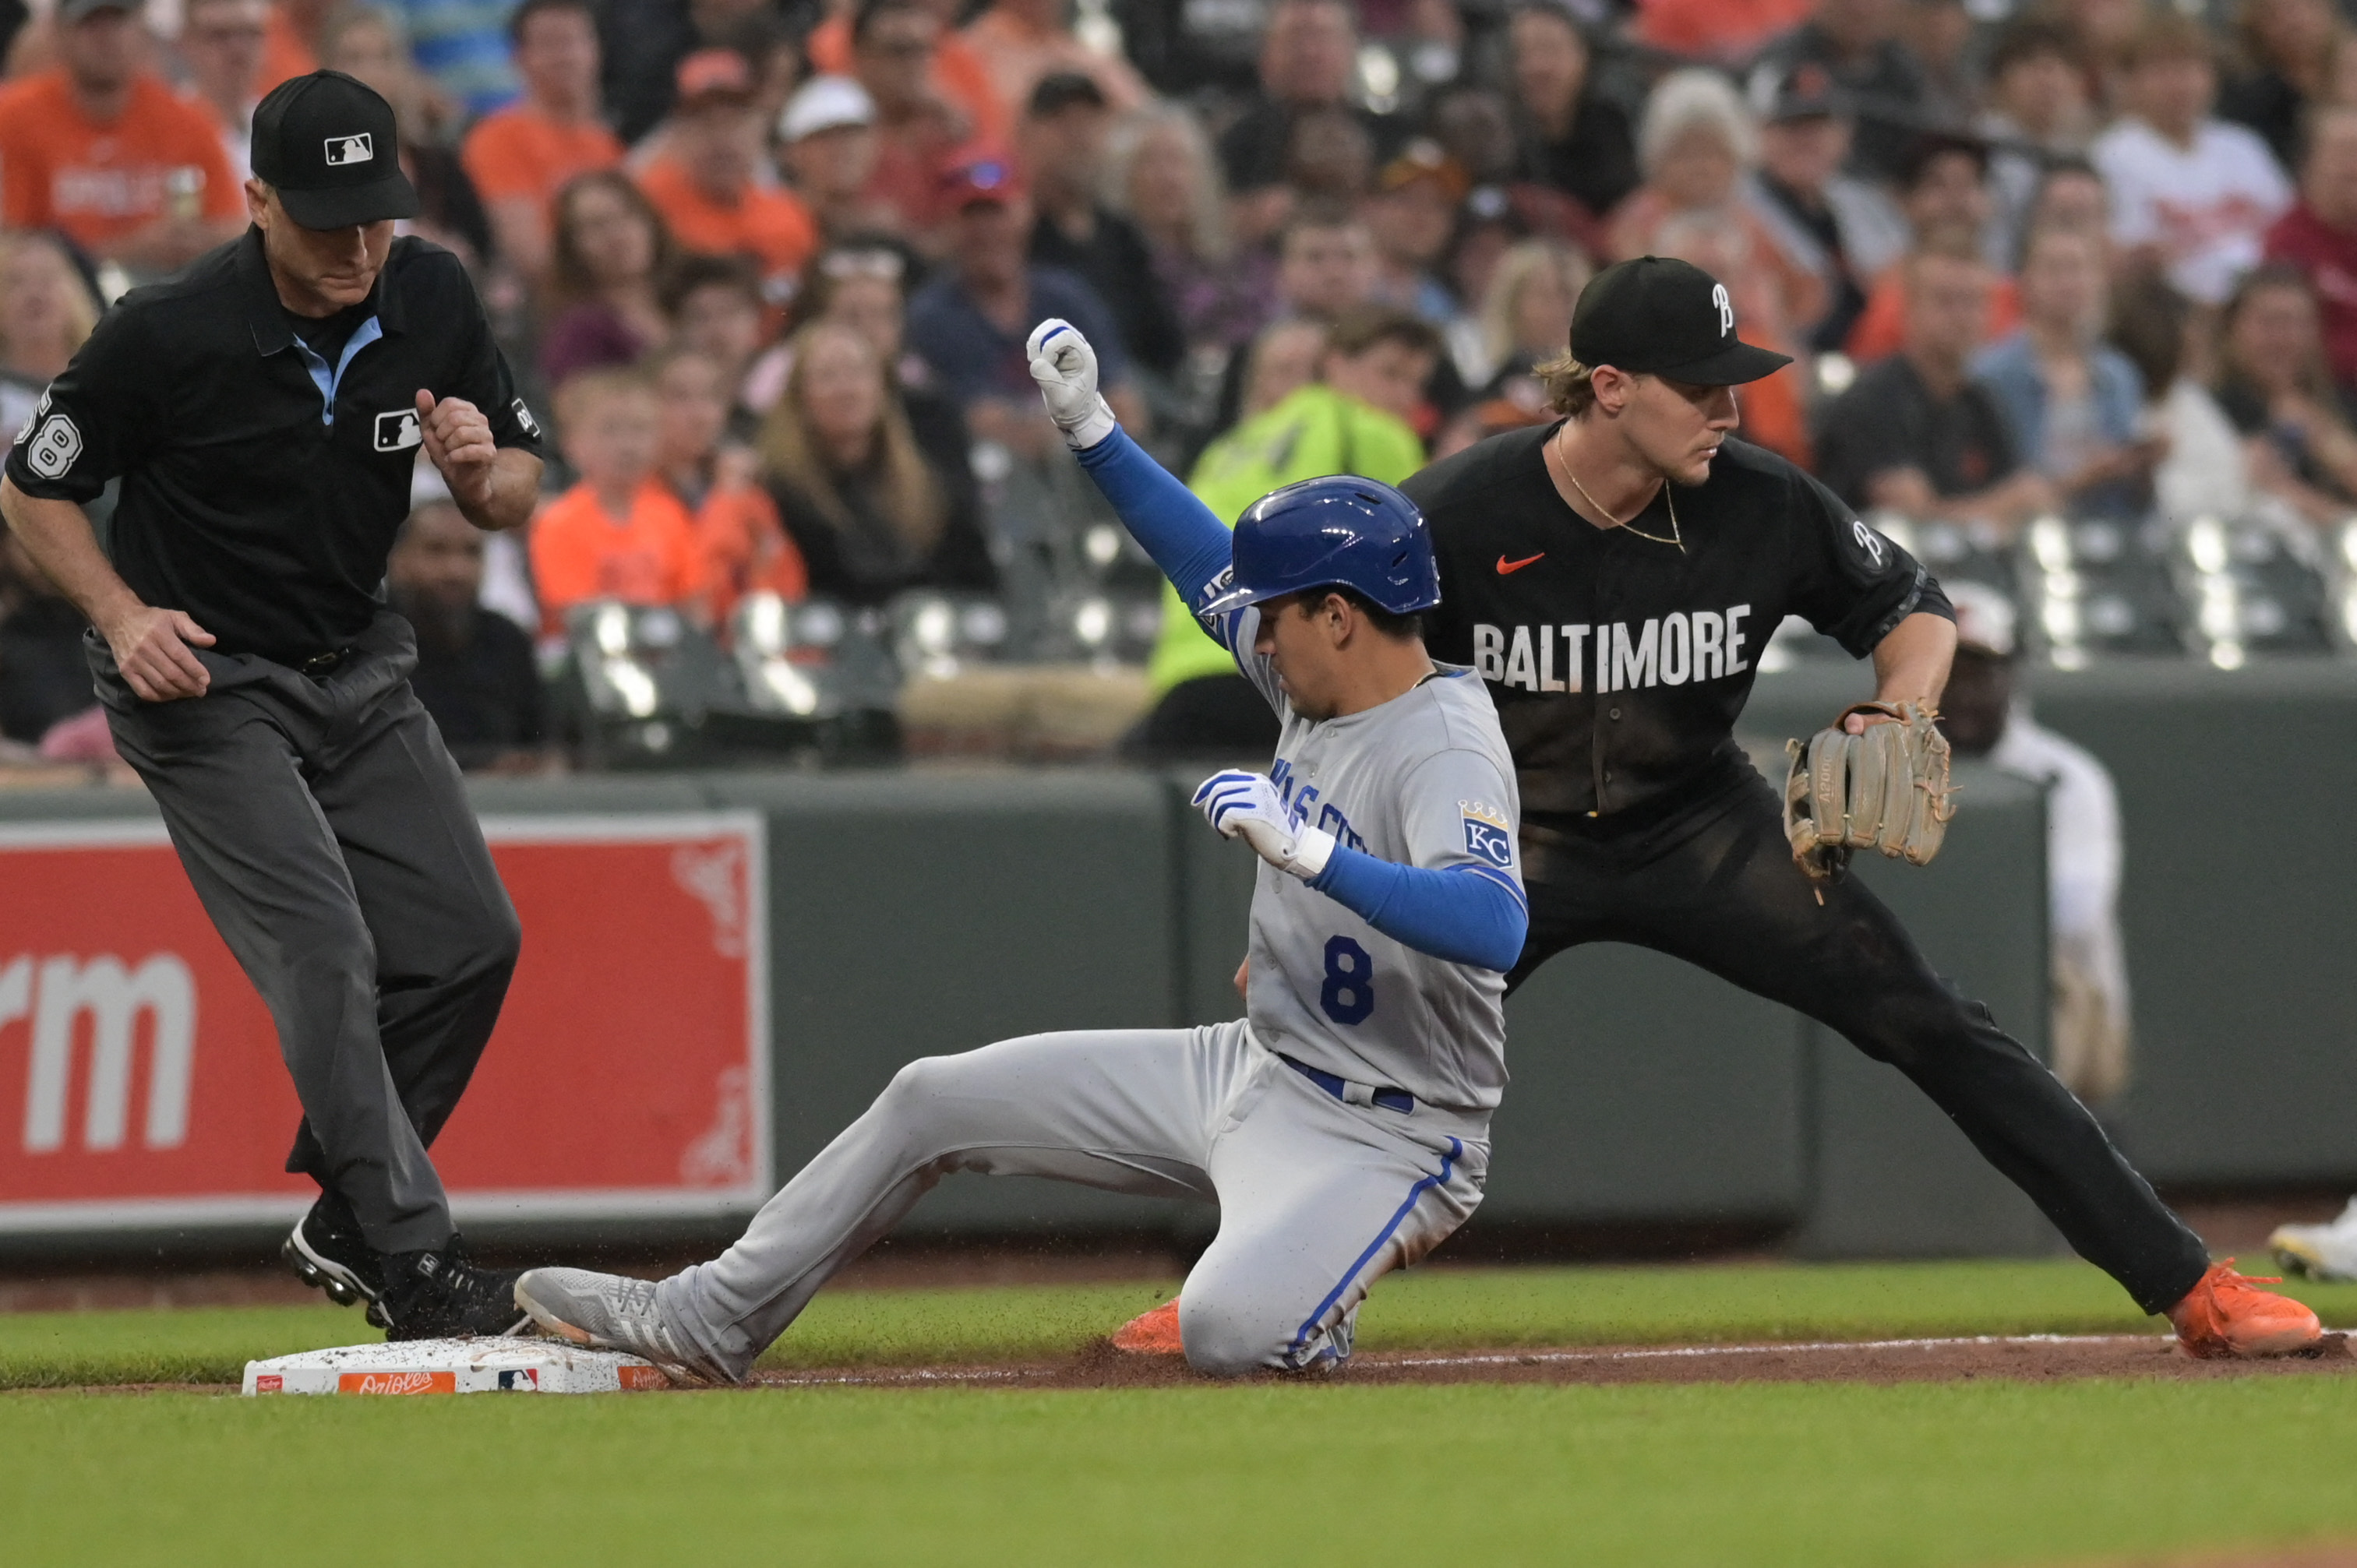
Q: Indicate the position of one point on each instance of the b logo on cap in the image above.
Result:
(357, 148)
(1726, 308)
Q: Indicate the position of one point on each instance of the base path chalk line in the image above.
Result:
(1380, 1361)
(1667, 1352)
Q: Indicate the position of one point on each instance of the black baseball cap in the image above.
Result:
(326, 142)
(1659, 316)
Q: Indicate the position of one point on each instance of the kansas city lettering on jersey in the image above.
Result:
(1301, 797)
(1666, 650)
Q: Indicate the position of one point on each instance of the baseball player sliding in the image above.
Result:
(1342, 1124)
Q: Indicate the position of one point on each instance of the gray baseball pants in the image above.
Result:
(1317, 1197)
(327, 833)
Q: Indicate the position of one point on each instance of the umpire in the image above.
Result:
(264, 409)
(1613, 576)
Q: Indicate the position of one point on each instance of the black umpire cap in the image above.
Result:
(1659, 316)
(326, 143)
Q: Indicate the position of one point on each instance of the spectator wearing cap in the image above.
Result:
(1412, 215)
(1858, 42)
(1984, 714)
(1722, 32)
(222, 42)
(1163, 178)
(102, 150)
(970, 321)
(1915, 432)
(702, 182)
(1833, 226)
(920, 135)
(1063, 148)
(2190, 193)
(1945, 201)
(519, 157)
(2038, 112)
(1569, 137)
(946, 67)
(1022, 42)
(2318, 235)
(827, 143)
(1697, 143)
(2072, 403)
(1308, 59)
(2288, 45)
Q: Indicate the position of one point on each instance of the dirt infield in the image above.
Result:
(2039, 1358)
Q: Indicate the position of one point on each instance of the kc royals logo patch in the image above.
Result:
(1487, 834)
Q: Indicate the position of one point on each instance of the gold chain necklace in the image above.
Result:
(1677, 536)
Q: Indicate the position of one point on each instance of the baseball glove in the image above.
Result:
(1886, 788)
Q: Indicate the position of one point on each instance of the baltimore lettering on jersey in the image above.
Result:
(1665, 651)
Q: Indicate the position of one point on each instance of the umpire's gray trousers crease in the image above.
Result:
(328, 833)
(1317, 1198)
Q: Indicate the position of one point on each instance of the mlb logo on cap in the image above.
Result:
(359, 148)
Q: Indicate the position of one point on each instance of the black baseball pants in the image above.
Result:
(1713, 883)
(327, 833)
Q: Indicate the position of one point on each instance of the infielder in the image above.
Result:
(264, 409)
(1612, 576)
(1342, 1124)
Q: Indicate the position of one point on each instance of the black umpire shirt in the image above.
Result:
(1618, 664)
(263, 482)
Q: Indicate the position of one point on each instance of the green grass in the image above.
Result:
(1819, 1476)
(1434, 1308)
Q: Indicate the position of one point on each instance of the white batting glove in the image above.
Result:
(1066, 369)
(1247, 805)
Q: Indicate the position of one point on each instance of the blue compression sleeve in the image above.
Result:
(1185, 537)
(1460, 913)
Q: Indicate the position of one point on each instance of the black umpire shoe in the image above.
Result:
(328, 1251)
(439, 1295)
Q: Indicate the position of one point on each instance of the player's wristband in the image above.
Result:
(1312, 848)
(1098, 425)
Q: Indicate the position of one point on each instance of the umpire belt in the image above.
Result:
(1350, 1093)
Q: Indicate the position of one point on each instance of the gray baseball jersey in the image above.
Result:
(1424, 779)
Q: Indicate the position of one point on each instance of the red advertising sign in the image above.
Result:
(140, 1079)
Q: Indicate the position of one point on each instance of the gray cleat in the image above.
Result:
(611, 1313)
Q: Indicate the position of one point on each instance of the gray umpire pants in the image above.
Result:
(1317, 1198)
(327, 833)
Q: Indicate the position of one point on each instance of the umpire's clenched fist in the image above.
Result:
(458, 440)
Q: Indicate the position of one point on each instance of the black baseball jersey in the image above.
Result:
(263, 485)
(1617, 663)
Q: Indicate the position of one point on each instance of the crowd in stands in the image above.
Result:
(766, 266)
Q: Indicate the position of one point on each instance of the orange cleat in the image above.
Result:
(2225, 1315)
(1152, 1333)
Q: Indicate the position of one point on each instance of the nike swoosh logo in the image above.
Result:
(1508, 568)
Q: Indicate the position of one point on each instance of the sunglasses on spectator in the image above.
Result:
(907, 49)
(887, 265)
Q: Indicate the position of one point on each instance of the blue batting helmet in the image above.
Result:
(1343, 531)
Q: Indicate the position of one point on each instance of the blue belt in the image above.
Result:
(1398, 1100)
